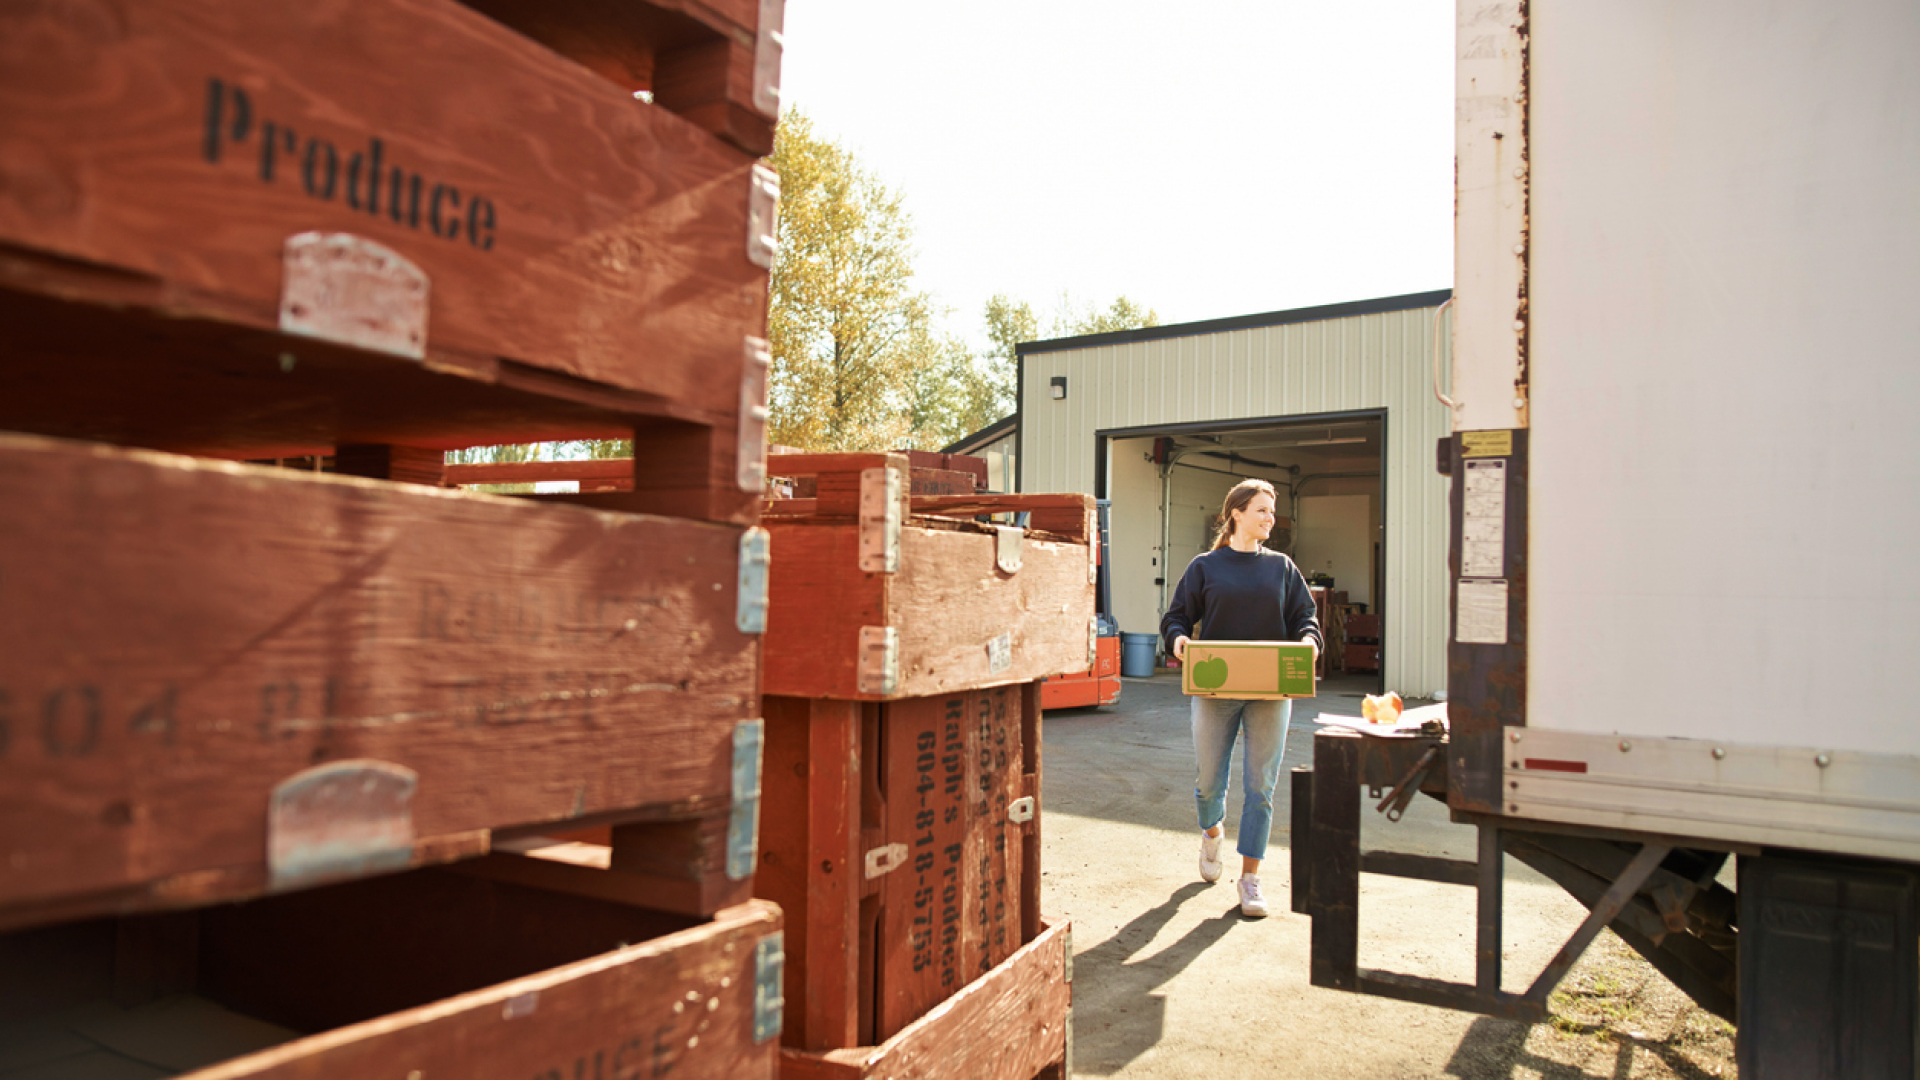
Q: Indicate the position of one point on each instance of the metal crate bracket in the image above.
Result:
(755, 558)
(743, 828)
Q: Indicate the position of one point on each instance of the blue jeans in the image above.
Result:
(1216, 724)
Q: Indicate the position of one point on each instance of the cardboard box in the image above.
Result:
(1248, 669)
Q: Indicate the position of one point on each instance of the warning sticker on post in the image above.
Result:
(1480, 613)
(1483, 525)
(1486, 444)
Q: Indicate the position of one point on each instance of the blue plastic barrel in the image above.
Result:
(1137, 655)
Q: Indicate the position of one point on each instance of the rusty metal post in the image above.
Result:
(1492, 889)
(1333, 887)
(1301, 849)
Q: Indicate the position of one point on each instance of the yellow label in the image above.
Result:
(1486, 443)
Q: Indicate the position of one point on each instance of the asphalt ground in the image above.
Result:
(1170, 980)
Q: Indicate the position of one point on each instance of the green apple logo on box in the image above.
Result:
(1210, 674)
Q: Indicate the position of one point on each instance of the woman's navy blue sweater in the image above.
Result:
(1229, 595)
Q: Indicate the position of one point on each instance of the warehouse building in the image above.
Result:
(1334, 405)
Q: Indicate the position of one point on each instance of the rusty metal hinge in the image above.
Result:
(342, 820)
(751, 456)
(885, 860)
(880, 520)
(347, 289)
(1009, 543)
(879, 665)
(769, 45)
(750, 610)
(743, 827)
(763, 217)
(769, 968)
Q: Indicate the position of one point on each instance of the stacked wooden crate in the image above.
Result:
(905, 646)
(276, 747)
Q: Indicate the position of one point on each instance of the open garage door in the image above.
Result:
(1167, 483)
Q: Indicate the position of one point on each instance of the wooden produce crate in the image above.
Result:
(428, 973)
(902, 838)
(716, 64)
(1013, 1023)
(259, 230)
(218, 680)
(875, 594)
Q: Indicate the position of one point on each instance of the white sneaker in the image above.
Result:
(1252, 904)
(1210, 856)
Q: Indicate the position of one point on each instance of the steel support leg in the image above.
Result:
(1333, 887)
(1301, 852)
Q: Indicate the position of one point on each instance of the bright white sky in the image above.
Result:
(1207, 160)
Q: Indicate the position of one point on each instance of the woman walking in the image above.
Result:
(1240, 591)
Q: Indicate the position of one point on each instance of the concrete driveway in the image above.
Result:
(1170, 980)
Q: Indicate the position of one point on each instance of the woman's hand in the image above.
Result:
(1180, 648)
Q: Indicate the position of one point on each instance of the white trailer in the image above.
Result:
(1686, 491)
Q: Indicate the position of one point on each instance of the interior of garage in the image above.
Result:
(1167, 485)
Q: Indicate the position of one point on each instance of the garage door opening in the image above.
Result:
(1167, 483)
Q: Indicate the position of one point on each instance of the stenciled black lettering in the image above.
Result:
(621, 1071)
(360, 177)
(218, 131)
(403, 198)
(156, 717)
(279, 701)
(320, 182)
(483, 617)
(272, 136)
(452, 195)
(665, 1045)
(529, 617)
(368, 165)
(436, 606)
(53, 711)
(479, 219)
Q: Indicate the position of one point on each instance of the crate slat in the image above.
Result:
(893, 843)
(1010, 1024)
(184, 635)
(577, 246)
(425, 973)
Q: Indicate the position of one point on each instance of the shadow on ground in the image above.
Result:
(1495, 1049)
(1117, 1014)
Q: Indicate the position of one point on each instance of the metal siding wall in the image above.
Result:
(1334, 365)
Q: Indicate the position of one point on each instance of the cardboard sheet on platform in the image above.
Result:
(1408, 724)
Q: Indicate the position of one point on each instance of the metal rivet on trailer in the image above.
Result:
(1823, 760)
(1515, 736)
(1519, 403)
(1519, 249)
(1719, 752)
(1519, 324)
(1626, 745)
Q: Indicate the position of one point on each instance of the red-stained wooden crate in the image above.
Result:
(1013, 1023)
(875, 594)
(202, 663)
(716, 64)
(429, 973)
(902, 838)
(194, 257)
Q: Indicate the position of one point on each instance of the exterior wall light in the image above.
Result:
(1059, 387)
